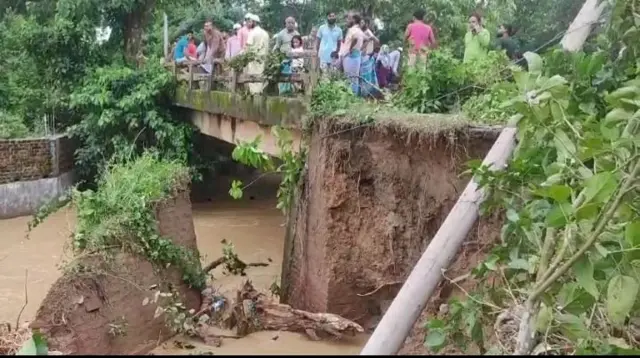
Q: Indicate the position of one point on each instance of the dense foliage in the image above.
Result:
(127, 111)
(565, 277)
(446, 82)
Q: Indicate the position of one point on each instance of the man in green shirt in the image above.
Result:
(476, 40)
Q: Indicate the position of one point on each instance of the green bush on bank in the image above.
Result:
(121, 213)
(446, 82)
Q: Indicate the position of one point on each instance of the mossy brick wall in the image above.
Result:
(35, 158)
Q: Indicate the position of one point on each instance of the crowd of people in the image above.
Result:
(356, 52)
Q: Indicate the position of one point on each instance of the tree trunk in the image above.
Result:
(134, 27)
(251, 311)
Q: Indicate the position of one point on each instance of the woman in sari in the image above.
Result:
(350, 51)
(368, 65)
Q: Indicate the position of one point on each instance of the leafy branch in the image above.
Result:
(292, 163)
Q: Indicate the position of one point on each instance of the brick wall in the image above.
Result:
(35, 158)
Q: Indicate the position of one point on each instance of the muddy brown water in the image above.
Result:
(253, 225)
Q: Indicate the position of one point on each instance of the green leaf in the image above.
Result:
(559, 214)
(558, 193)
(435, 339)
(587, 211)
(519, 264)
(512, 216)
(435, 324)
(599, 187)
(632, 233)
(491, 261)
(564, 146)
(534, 62)
(236, 189)
(552, 83)
(572, 326)
(545, 316)
(36, 345)
(617, 115)
(621, 296)
(583, 269)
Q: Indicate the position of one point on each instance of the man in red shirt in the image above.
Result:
(420, 37)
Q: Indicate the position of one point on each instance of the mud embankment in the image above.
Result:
(369, 204)
(102, 306)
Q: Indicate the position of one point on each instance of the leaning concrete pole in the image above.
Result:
(582, 25)
(396, 324)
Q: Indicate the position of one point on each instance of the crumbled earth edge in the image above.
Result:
(84, 304)
(369, 202)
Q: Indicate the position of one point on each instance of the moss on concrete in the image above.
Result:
(287, 112)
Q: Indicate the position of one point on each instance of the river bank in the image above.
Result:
(253, 225)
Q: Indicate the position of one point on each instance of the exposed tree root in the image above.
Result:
(251, 311)
(237, 263)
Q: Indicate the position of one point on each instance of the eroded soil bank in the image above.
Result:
(369, 204)
(253, 225)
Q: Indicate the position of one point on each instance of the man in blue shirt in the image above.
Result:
(330, 37)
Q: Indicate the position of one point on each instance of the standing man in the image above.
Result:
(420, 37)
(351, 51)
(243, 33)
(506, 41)
(214, 45)
(329, 39)
(283, 38)
(394, 59)
(233, 43)
(258, 42)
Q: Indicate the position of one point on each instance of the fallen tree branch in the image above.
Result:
(26, 298)
(252, 311)
(380, 287)
(221, 260)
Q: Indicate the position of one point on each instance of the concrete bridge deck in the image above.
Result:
(220, 111)
(233, 117)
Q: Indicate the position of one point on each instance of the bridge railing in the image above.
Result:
(223, 77)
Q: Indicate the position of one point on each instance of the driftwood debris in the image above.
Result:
(251, 311)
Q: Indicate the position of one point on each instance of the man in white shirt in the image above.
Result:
(233, 43)
(394, 56)
(258, 42)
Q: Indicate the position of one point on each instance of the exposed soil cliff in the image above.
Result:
(370, 201)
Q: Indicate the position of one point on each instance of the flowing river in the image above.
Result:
(253, 225)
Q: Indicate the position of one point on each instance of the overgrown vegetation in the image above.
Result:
(12, 126)
(120, 214)
(445, 83)
(565, 277)
(126, 112)
(292, 162)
